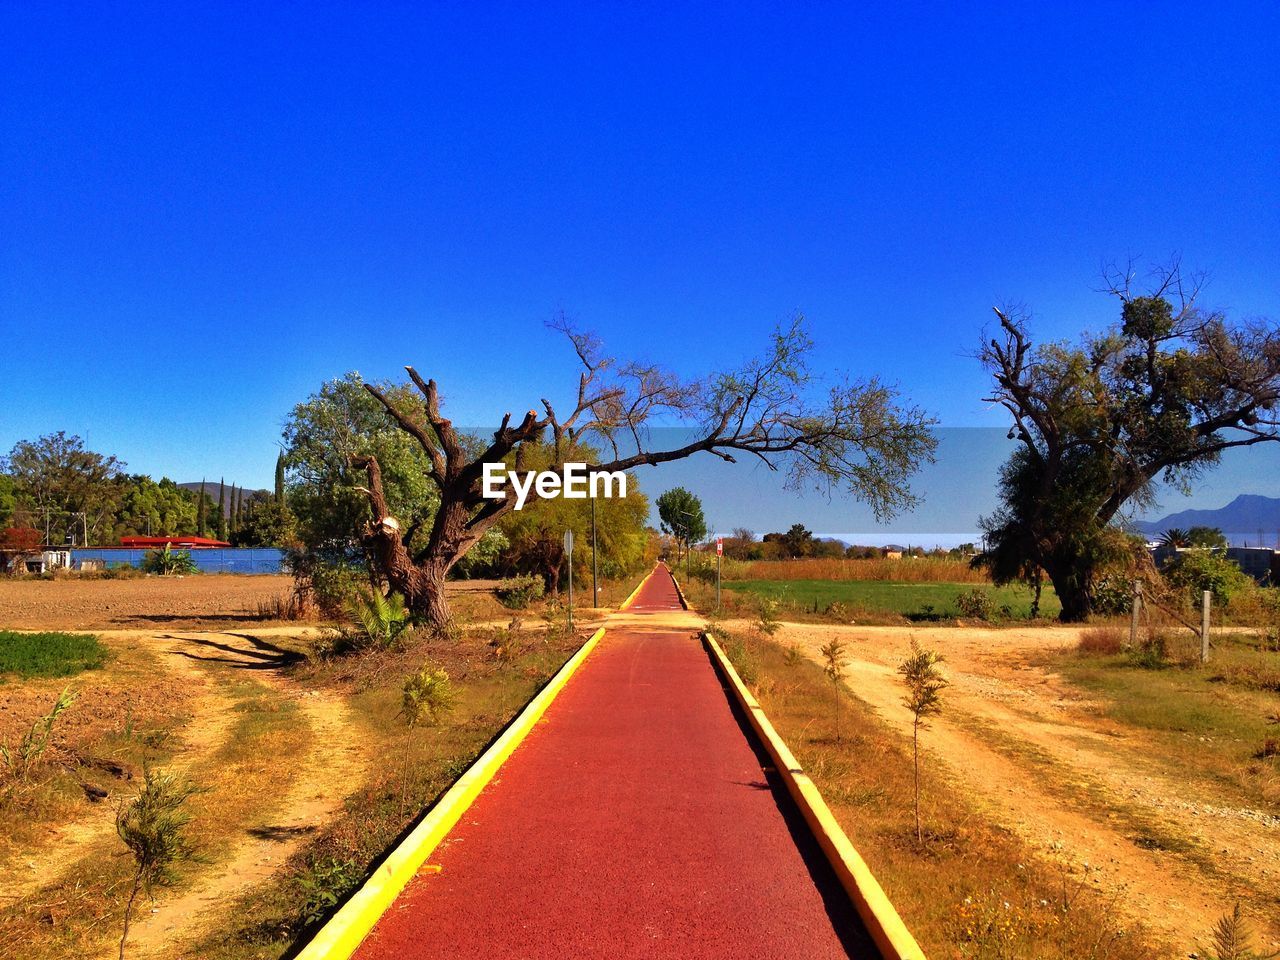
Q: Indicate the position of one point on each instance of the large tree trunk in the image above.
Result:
(1073, 584)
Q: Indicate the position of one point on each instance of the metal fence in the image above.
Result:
(207, 559)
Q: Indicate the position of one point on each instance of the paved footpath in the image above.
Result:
(636, 820)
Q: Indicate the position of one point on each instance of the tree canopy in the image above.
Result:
(1160, 394)
(680, 513)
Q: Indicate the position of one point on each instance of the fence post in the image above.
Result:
(1204, 626)
(1135, 610)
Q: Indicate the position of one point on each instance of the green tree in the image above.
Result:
(1197, 570)
(1161, 394)
(1175, 537)
(853, 436)
(202, 512)
(535, 535)
(151, 508)
(680, 513)
(1210, 537)
(74, 487)
(222, 509)
(798, 541)
(8, 501)
(266, 521)
(323, 437)
(279, 485)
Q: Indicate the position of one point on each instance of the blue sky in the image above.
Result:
(207, 210)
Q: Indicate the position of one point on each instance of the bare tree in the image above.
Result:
(858, 438)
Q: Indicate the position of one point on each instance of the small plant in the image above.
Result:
(1232, 940)
(428, 697)
(153, 826)
(976, 604)
(168, 562)
(924, 685)
(517, 593)
(792, 656)
(833, 669)
(767, 616)
(380, 618)
(19, 763)
(324, 884)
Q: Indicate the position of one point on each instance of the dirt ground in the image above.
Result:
(90, 604)
(1039, 759)
(218, 600)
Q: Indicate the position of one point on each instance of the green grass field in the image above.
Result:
(49, 654)
(918, 601)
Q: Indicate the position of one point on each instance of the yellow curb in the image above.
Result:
(636, 592)
(343, 933)
(679, 592)
(878, 914)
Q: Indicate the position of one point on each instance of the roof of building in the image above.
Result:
(171, 542)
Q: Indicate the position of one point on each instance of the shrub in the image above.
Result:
(767, 616)
(168, 562)
(1195, 571)
(1103, 640)
(380, 619)
(428, 696)
(518, 592)
(976, 604)
(1113, 595)
(1152, 653)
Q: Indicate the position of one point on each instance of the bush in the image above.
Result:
(517, 593)
(976, 604)
(1113, 595)
(1195, 571)
(168, 561)
(1152, 653)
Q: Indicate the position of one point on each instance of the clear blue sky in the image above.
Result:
(205, 211)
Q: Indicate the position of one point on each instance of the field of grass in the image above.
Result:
(922, 601)
(901, 570)
(49, 654)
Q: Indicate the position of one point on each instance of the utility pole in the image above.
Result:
(595, 566)
(568, 547)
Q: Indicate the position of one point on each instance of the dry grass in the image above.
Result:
(1103, 640)
(971, 889)
(919, 570)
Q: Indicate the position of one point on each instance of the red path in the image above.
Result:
(635, 821)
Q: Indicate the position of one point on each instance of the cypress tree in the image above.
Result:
(280, 478)
(200, 511)
(222, 509)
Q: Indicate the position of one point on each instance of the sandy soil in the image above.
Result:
(145, 602)
(309, 793)
(1073, 784)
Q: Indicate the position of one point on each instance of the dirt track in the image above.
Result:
(1037, 758)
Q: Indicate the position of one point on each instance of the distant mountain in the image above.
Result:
(211, 489)
(1247, 513)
